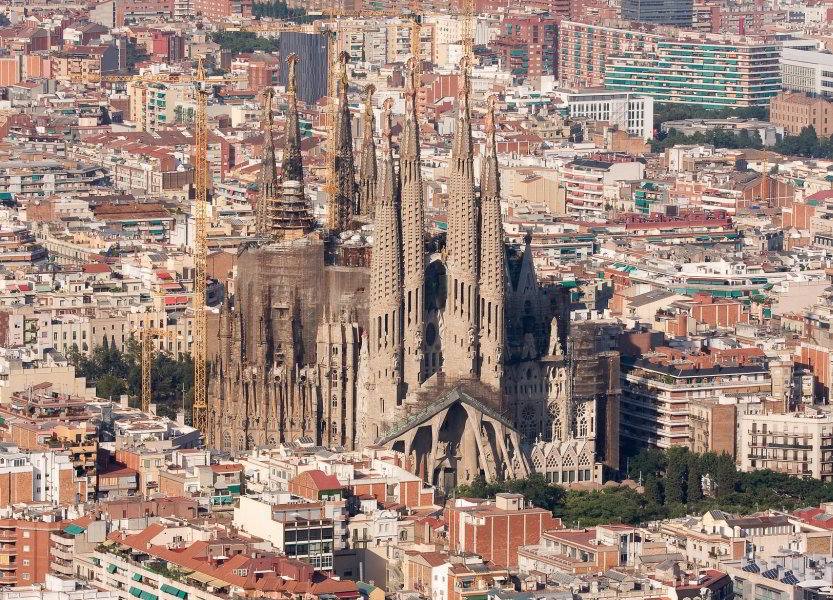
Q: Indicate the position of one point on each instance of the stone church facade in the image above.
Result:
(451, 353)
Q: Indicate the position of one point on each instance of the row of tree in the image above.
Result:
(116, 373)
(276, 9)
(675, 482)
(676, 112)
(719, 138)
(243, 42)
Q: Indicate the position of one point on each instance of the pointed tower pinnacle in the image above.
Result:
(269, 187)
(492, 285)
(292, 165)
(367, 168)
(343, 197)
(463, 244)
(413, 234)
(385, 331)
(288, 217)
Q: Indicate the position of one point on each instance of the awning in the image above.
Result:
(73, 529)
(173, 591)
(149, 596)
(135, 591)
(137, 577)
(111, 568)
(201, 577)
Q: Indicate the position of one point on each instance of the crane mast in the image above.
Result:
(200, 407)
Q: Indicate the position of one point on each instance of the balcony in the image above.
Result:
(61, 567)
(59, 552)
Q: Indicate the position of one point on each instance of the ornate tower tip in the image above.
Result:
(343, 59)
(268, 95)
(491, 103)
(387, 129)
(292, 75)
(369, 90)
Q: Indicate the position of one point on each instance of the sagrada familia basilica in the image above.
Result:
(444, 347)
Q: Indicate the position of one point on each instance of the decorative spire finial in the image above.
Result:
(386, 122)
(292, 77)
(491, 127)
(268, 116)
(343, 59)
(369, 90)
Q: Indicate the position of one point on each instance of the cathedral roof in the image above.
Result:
(447, 399)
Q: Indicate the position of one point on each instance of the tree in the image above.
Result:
(610, 505)
(726, 476)
(675, 476)
(243, 42)
(694, 490)
(653, 490)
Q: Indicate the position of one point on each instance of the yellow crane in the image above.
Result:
(468, 31)
(203, 87)
(146, 337)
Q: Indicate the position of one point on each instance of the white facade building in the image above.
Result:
(795, 443)
(630, 112)
(807, 71)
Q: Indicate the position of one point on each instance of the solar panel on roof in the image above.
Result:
(789, 578)
(771, 574)
(752, 568)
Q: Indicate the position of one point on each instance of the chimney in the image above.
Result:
(180, 417)
(123, 399)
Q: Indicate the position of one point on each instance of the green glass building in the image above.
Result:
(709, 73)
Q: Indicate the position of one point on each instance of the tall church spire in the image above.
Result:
(269, 187)
(463, 243)
(367, 168)
(413, 234)
(492, 286)
(292, 165)
(384, 339)
(343, 197)
(288, 217)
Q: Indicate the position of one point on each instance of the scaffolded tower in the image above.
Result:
(287, 213)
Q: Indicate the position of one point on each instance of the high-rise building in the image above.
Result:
(311, 50)
(527, 45)
(677, 13)
(706, 70)
(583, 50)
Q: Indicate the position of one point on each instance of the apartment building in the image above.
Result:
(496, 529)
(303, 531)
(25, 553)
(658, 387)
(799, 444)
(527, 46)
(37, 179)
(583, 50)
(580, 551)
(153, 104)
(707, 71)
(796, 110)
(591, 183)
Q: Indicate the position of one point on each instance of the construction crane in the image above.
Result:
(203, 87)
(146, 337)
(468, 31)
